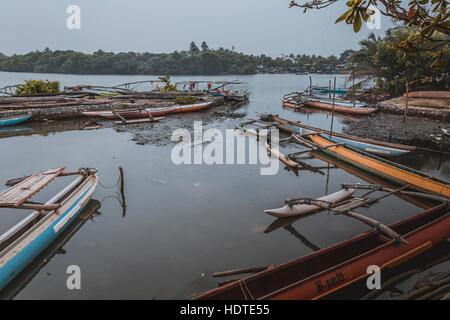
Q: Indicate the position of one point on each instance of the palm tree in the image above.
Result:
(364, 58)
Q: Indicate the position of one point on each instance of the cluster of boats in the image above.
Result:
(325, 271)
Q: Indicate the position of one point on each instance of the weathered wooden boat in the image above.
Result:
(23, 242)
(10, 121)
(325, 271)
(154, 112)
(395, 172)
(304, 209)
(292, 100)
(376, 147)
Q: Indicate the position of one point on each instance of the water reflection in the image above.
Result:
(56, 247)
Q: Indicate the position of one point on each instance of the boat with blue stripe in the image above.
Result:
(379, 148)
(22, 243)
(10, 121)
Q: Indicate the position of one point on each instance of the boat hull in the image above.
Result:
(155, 112)
(13, 120)
(302, 209)
(364, 146)
(22, 252)
(341, 264)
(389, 170)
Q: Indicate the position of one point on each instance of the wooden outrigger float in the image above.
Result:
(380, 148)
(295, 99)
(23, 242)
(325, 271)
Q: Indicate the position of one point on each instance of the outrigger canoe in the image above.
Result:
(379, 148)
(10, 121)
(339, 106)
(27, 239)
(325, 271)
(136, 113)
(304, 209)
(392, 171)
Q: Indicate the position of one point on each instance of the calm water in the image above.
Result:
(182, 221)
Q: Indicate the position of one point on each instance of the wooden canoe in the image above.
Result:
(328, 270)
(283, 158)
(28, 238)
(137, 113)
(387, 169)
(376, 147)
(303, 209)
(10, 121)
(337, 108)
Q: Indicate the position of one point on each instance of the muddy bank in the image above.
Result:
(396, 106)
(73, 109)
(415, 131)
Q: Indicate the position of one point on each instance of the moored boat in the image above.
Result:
(27, 239)
(325, 271)
(10, 121)
(292, 100)
(304, 209)
(155, 112)
(376, 147)
(395, 172)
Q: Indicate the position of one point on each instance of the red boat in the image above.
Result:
(328, 270)
(155, 112)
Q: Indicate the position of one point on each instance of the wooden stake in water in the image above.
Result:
(329, 92)
(406, 102)
(332, 112)
(310, 86)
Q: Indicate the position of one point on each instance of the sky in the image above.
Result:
(252, 26)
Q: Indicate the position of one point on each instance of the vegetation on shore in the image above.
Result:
(195, 61)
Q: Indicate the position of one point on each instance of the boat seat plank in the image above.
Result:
(21, 192)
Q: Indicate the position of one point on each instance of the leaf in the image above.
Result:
(411, 12)
(357, 23)
(344, 16)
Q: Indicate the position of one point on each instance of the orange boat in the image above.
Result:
(328, 270)
(295, 99)
(387, 169)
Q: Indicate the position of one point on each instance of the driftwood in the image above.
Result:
(390, 283)
(424, 290)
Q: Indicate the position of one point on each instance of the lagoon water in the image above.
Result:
(183, 222)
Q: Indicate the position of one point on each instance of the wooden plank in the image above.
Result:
(18, 194)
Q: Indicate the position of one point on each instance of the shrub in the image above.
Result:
(185, 100)
(37, 87)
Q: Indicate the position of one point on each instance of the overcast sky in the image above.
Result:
(252, 26)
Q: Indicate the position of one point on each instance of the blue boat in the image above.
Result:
(22, 243)
(379, 148)
(10, 121)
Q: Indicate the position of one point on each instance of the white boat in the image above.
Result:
(302, 209)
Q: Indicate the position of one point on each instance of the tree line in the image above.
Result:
(195, 61)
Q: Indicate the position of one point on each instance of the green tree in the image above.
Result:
(428, 17)
(193, 49)
(204, 46)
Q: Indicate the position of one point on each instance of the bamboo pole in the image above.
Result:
(332, 113)
(241, 271)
